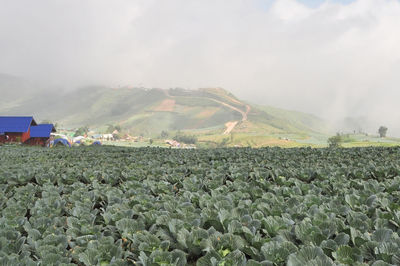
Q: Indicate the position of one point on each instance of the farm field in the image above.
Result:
(239, 206)
(292, 140)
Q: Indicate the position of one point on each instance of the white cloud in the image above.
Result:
(333, 60)
(291, 10)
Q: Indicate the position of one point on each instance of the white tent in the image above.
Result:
(77, 139)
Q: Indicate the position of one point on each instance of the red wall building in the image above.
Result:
(40, 134)
(18, 136)
(15, 128)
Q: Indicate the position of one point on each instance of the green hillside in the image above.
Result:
(292, 120)
(149, 111)
(214, 115)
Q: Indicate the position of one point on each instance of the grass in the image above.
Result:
(214, 139)
(369, 144)
(139, 144)
(290, 140)
(245, 140)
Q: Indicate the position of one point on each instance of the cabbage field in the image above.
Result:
(155, 206)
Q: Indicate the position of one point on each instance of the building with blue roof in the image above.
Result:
(42, 130)
(40, 134)
(15, 128)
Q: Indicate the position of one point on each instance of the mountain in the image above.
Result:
(12, 88)
(149, 111)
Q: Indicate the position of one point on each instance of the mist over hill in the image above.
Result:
(337, 59)
(150, 110)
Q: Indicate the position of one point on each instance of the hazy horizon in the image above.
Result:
(334, 59)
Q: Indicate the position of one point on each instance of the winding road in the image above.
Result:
(230, 125)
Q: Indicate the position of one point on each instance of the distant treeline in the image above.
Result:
(187, 139)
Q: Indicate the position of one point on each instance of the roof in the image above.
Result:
(42, 130)
(18, 124)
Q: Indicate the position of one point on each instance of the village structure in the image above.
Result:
(24, 129)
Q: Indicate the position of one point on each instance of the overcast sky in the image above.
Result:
(330, 58)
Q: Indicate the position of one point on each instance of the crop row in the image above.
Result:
(153, 206)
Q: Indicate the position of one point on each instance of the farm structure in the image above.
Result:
(15, 128)
(40, 134)
(24, 129)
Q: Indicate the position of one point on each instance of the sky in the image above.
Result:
(333, 58)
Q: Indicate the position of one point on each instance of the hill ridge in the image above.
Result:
(152, 110)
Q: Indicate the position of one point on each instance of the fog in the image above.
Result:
(335, 59)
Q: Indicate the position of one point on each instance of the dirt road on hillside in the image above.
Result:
(230, 125)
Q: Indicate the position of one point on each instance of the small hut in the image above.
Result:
(15, 128)
(40, 134)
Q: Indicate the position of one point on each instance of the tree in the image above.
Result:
(117, 136)
(82, 131)
(223, 143)
(187, 139)
(112, 128)
(335, 141)
(382, 131)
(164, 134)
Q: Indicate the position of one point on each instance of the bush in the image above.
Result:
(187, 139)
(164, 134)
(112, 128)
(335, 141)
(81, 131)
(382, 131)
(223, 143)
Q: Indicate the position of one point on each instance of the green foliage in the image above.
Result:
(223, 143)
(187, 139)
(382, 131)
(82, 131)
(112, 128)
(153, 206)
(335, 141)
(164, 134)
(99, 106)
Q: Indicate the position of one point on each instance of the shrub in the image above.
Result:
(382, 131)
(187, 139)
(335, 141)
